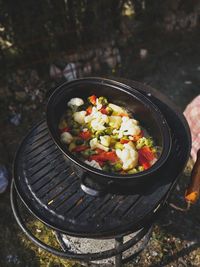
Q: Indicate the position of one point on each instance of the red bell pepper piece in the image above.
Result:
(111, 156)
(147, 153)
(80, 148)
(105, 156)
(124, 141)
(143, 161)
(103, 110)
(92, 99)
(146, 165)
(98, 150)
(85, 135)
(89, 110)
(97, 157)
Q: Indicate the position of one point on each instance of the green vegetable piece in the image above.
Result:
(106, 168)
(112, 168)
(117, 166)
(99, 133)
(149, 142)
(132, 171)
(109, 110)
(140, 143)
(144, 141)
(88, 152)
(103, 100)
(112, 124)
(108, 131)
(118, 145)
(91, 129)
(140, 168)
(154, 150)
(115, 113)
(115, 136)
(85, 153)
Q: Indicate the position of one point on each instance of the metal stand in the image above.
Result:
(118, 258)
(65, 252)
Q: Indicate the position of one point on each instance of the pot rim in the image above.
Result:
(160, 120)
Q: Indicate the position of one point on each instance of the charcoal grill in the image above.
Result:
(50, 189)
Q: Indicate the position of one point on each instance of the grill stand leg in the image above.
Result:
(118, 257)
(120, 245)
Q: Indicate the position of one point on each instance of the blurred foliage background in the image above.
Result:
(34, 32)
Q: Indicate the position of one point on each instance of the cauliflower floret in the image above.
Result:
(98, 104)
(115, 121)
(88, 118)
(100, 146)
(126, 119)
(75, 102)
(79, 116)
(129, 127)
(94, 164)
(104, 118)
(105, 140)
(94, 114)
(94, 144)
(98, 125)
(66, 138)
(97, 119)
(128, 156)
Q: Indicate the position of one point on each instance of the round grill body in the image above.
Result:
(48, 185)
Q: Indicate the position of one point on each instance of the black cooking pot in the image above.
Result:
(93, 180)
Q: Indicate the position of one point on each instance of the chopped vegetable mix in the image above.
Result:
(106, 136)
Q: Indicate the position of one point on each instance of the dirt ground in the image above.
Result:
(171, 65)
